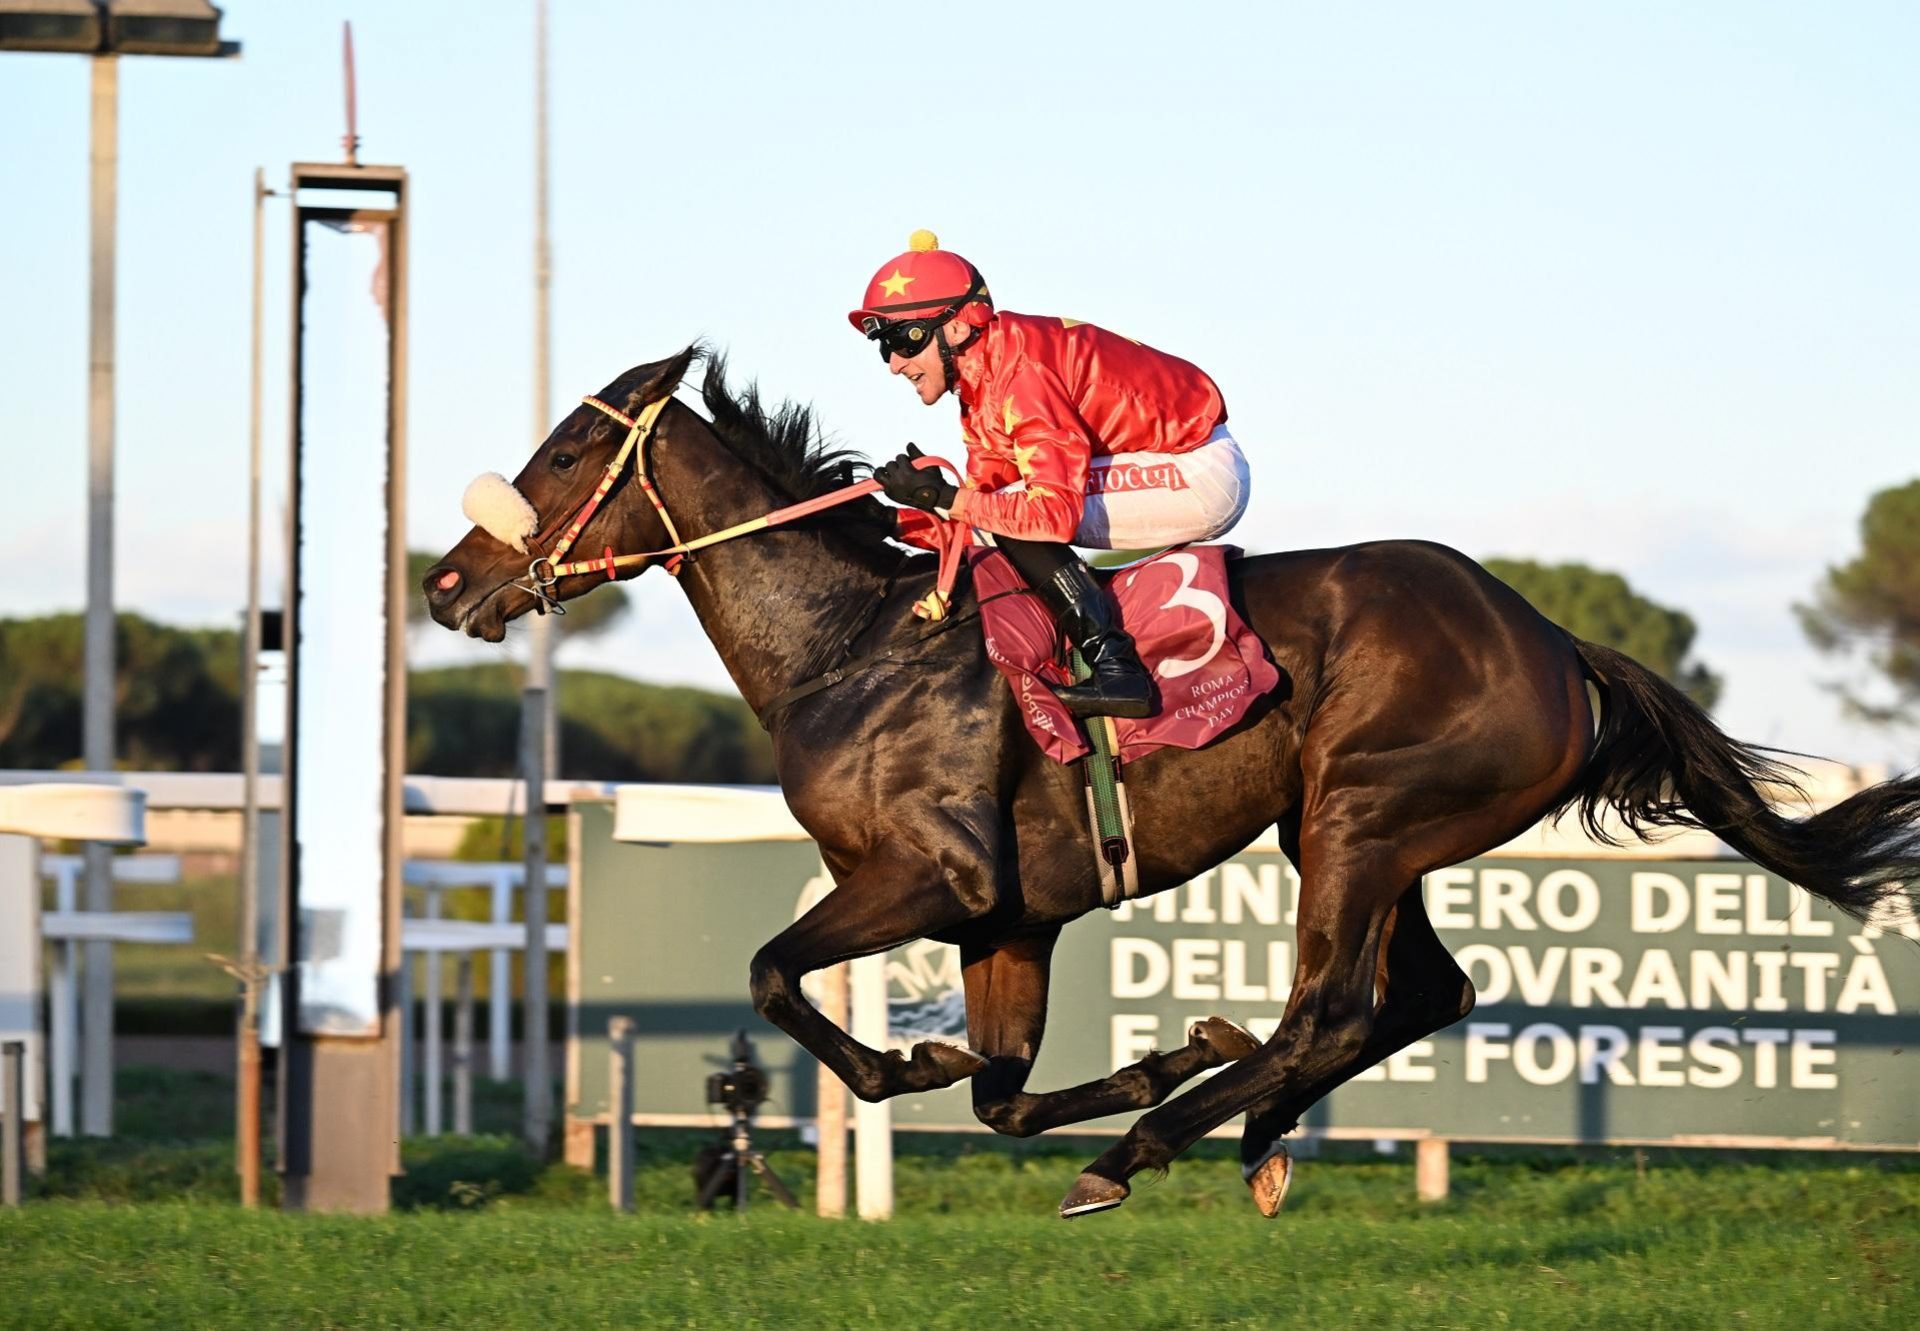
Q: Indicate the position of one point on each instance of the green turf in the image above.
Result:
(142, 1232)
(1560, 1253)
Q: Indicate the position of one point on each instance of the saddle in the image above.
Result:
(1208, 666)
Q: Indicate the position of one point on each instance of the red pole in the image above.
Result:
(351, 142)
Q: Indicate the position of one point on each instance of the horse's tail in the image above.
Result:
(1659, 761)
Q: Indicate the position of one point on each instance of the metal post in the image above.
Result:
(872, 1123)
(539, 1090)
(63, 1015)
(246, 1139)
(13, 1104)
(500, 985)
(432, 1011)
(830, 1190)
(620, 1113)
(1430, 1169)
(463, 1046)
(403, 1000)
(96, 1074)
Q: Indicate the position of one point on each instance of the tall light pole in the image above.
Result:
(104, 30)
(539, 714)
(545, 631)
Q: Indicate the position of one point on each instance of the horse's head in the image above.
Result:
(484, 581)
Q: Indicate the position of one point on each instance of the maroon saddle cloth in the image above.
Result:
(1206, 663)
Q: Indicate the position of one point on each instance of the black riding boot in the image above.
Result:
(1119, 684)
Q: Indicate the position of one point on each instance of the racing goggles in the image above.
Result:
(903, 337)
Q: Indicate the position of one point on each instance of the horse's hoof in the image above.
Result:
(1268, 1181)
(1092, 1193)
(950, 1061)
(1229, 1039)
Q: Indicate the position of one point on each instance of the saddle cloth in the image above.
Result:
(1207, 664)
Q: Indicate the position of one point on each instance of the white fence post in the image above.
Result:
(1430, 1161)
(872, 1123)
(830, 1114)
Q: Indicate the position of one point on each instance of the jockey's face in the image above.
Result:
(923, 369)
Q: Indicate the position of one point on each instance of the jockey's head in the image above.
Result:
(923, 308)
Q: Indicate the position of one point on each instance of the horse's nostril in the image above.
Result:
(441, 584)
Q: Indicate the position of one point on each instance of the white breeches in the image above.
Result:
(1138, 500)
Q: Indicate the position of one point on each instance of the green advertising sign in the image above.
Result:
(1684, 1002)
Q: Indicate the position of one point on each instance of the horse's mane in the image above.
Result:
(784, 444)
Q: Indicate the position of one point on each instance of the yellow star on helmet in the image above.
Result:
(895, 285)
(1009, 417)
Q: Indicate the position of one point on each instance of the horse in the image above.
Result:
(1425, 714)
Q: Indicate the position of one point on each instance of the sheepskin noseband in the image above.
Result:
(502, 512)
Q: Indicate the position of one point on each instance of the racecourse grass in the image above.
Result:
(142, 1231)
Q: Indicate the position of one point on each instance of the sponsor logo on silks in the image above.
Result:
(1134, 476)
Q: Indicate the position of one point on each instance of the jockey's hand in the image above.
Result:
(916, 487)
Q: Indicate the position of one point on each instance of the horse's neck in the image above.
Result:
(766, 600)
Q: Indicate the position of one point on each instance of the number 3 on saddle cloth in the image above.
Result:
(1207, 664)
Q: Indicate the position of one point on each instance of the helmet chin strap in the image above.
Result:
(948, 351)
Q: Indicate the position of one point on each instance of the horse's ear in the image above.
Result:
(650, 383)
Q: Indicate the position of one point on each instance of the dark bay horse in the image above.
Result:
(1425, 715)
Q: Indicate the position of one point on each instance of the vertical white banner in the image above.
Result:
(339, 650)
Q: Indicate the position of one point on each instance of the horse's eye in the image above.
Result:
(564, 461)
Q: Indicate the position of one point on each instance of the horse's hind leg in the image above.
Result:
(1348, 892)
(1006, 1014)
(1422, 990)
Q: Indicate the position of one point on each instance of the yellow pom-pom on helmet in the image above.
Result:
(923, 240)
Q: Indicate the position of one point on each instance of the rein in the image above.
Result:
(640, 431)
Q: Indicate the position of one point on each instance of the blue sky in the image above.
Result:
(1633, 284)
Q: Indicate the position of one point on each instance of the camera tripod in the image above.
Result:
(736, 1160)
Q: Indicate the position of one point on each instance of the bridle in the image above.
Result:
(546, 570)
(639, 432)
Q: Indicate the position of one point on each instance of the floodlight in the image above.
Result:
(163, 27)
(50, 25)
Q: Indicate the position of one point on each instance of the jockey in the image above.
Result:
(1074, 435)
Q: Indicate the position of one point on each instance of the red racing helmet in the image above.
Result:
(926, 282)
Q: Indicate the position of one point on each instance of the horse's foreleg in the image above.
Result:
(873, 910)
(1006, 1014)
(1422, 990)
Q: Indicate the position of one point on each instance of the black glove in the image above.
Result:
(916, 487)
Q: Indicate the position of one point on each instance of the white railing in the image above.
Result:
(430, 937)
(66, 926)
(424, 941)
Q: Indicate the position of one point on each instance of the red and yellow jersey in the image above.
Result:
(1041, 397)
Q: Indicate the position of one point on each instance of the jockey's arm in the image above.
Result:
(1051, 453)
